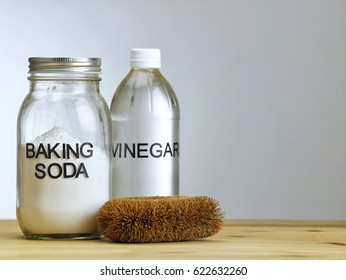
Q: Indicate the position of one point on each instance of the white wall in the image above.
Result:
(261, 84)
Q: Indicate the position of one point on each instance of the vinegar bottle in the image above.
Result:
(145, 130)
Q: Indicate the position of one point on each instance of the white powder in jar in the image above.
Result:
(63, 182)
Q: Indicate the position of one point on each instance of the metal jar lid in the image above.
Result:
(64, 67)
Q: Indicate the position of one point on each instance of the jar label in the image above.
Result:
(54, 170)
(63, 182)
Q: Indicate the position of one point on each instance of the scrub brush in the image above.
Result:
(159, 218)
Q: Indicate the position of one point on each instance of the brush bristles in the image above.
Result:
(159, 218)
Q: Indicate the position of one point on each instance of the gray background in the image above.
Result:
(261, 84)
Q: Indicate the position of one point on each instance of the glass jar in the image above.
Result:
(63, 150)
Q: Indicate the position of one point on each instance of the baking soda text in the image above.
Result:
(60, 169)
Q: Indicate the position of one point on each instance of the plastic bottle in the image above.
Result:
(145, 130)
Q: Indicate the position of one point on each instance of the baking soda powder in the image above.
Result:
(63, 183)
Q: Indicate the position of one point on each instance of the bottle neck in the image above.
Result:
(145, 69)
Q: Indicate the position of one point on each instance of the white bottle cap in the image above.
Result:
(145, 58)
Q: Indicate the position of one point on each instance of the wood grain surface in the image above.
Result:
(237, 240)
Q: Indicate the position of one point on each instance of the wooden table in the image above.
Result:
(240, 240)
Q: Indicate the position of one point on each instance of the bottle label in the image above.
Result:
(145, 157)
(146, 150)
